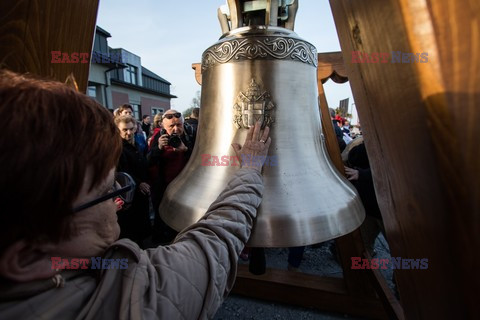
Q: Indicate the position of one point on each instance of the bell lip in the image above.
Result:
(280, 243)
(260, 30)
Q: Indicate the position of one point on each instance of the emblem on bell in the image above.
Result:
(252, 106)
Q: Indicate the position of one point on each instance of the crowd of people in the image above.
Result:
(153, 155)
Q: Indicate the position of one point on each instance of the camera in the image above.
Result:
(174, 140)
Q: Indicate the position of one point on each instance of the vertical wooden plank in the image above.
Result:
(417, 120)
(450, 88)
(357, 282)
(329, 133)
(330, 66)
(31, 29)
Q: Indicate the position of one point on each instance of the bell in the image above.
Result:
(265, 73)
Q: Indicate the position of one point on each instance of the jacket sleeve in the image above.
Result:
(198, 270)
(154, 153)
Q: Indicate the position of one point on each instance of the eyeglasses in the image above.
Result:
(171, 115)
(123, 187)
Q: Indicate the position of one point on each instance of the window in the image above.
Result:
(92, 91)
(100, 44)
(130, 74)
(136, 111)
(156, 110)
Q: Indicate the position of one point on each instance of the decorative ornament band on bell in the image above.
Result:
(266, 73)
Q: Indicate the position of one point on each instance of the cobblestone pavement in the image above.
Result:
(317, 260)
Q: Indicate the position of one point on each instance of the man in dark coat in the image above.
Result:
(146, 125)
(193, 119)
(134, 220)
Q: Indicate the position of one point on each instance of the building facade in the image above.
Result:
(118, 77)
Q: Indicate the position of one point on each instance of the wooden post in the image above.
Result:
(31, 29)
(419, 121)
(330, 65)
(358, 282)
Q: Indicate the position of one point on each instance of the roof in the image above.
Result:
(150, 74)
(141, 88)
(104, 32)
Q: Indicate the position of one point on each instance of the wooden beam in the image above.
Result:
(390, 303)
(331, 66)
(306, 290)
(418, 121)
(31, 29)
(198, 72)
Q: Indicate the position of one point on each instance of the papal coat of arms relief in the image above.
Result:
(253, 105)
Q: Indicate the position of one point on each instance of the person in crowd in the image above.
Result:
(134, 220)
(58, 215)
(193, 119)
(139, 136)
(153, 169)
(346, 127)
(338, 132)
(146, 125)
(357, 170)
(169, 159)
(140, 139)
(340, 123)
(156, 128)
(124, 110)
(355, 132)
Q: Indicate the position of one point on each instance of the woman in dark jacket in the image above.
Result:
(134, 220)
(359, 173)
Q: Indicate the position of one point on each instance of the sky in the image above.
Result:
(170, 35)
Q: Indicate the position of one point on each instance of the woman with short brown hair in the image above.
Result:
(60, 257)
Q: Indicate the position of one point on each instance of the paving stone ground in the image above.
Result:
(317, 260)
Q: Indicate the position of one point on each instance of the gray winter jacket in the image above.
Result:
(186, 280)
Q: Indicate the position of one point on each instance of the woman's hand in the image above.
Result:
(119, 202)
(255, 148)
(144, 188)
(351, 174)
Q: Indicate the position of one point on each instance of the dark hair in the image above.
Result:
(124, 119)
(54, 135)
(124, 107)
(196, 112)
(332, 112)
(145, 116)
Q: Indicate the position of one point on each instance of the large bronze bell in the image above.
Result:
(266, 73)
